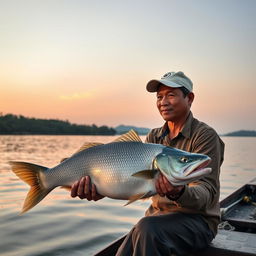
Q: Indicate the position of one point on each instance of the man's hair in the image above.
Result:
(184, 90)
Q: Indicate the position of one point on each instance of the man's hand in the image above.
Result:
(83, 188)
(165, 188)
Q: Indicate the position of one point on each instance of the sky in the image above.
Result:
(89, 61)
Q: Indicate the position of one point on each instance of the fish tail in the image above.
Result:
(31, 174)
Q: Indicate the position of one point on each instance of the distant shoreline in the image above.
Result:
(241, 133)
(19, 125)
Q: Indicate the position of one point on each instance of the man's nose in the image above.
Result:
(164, 101)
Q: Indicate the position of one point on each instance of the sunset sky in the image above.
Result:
(89, 61)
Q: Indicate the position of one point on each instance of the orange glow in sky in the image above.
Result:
(88, 61)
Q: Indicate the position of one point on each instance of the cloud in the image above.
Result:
(76, 96)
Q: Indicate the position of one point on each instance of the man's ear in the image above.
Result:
(191, 97)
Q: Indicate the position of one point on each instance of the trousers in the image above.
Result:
(172, 233)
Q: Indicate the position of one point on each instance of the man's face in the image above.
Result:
(172, 104)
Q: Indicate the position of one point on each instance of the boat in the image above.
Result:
(237, 231)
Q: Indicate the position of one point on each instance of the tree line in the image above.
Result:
(18, 124)
(242, 133)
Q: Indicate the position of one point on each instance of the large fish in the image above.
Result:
(124, 169)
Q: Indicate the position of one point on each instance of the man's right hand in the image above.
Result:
(84, 189)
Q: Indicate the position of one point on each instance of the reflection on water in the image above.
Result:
(60, 225)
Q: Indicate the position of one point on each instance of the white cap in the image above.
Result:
(171, 79)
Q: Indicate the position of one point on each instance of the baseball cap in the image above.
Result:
(171, 79)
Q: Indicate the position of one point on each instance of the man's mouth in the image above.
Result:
(166, 110)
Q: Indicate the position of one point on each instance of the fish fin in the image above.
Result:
(129, 136)
(138, 197)
(88, 145)
(145, 174)
(66, 187)
(32, 175)
(63, 159)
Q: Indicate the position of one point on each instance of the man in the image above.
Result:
(181, 219)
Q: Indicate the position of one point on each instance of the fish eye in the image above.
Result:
(184, 159)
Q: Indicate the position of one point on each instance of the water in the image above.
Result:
(61, 225)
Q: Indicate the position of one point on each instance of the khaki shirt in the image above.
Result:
(201, 197)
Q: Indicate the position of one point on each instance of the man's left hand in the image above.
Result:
(165, 188)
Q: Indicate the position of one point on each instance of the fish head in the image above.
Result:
(181, 165)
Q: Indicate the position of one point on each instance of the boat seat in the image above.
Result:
(231, 243)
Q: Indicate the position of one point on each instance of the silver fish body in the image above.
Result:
(110, 167)
(124, 169)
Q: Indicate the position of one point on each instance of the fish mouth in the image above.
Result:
(194, 168)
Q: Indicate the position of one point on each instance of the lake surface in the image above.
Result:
(61, 225)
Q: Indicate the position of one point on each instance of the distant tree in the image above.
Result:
(242, 133)
(13, 124)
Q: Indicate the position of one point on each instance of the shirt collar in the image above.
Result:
(186, 130)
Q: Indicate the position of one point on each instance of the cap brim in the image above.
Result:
(153, 85)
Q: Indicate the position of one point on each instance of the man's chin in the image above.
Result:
(168, 117)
